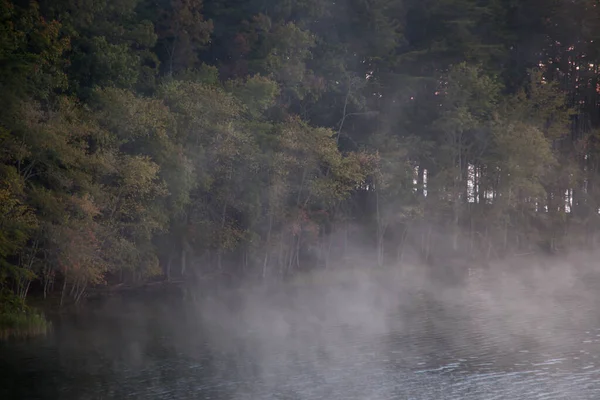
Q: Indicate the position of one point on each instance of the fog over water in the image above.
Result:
(239, 200)
(524, 331)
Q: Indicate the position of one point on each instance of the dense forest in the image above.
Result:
(227, 139)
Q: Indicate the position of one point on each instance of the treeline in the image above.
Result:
(189, 138)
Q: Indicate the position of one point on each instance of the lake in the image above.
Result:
(370, 339)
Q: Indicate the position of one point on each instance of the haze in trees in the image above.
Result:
(187, 139)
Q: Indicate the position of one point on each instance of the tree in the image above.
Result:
(17, 223)
(111, 44)
(31, 50)
(182, 34)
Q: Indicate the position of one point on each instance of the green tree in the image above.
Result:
(31, 54)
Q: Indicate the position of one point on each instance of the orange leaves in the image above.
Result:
(243, 44)
(306, 223)
(32, 49)
(78, 251)
(85, 206)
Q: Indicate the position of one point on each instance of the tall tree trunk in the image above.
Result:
(281, 258)
(220, 249)
(245, 257)
(480, 188)
(183, 261)
(73, 288)
(328, 253)
(380, 231)
(298, 243)
(46, 280)
(400, 250)
(168, 271)
(62, 293)
(47, 275)
(292, 253)
(345, 239)
(457, 188)
(420, 183)
(505, 236)
(80, 291)
(267, 246)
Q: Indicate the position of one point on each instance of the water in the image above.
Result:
(448, 347)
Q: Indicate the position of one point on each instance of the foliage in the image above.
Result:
(16, 319)
(187, 138)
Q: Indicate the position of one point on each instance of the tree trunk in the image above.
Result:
(292, 254)
(47, 275)
(73, 287)
(46, 281)
(298, 242)
(80, 291)
(220, 249)
(420, 182)
(245, 260)
(345, 239)
(183, 262)
(62, 294)
(427, 245)
(328, 251)
(267, 247)
(168, 272)
(400, 249)
(380, 231)
(24, 288)
(505, 237)
(281, 258)
(480, 188)
(471, 235)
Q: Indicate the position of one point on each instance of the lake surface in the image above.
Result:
(512, 341)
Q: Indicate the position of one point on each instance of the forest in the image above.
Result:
(165, 140)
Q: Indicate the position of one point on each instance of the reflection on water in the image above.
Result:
(430, 349)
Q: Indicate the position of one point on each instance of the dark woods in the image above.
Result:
(190, 139)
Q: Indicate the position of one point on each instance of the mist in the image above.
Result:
(523, 327)
(358, 332)
(299, 199)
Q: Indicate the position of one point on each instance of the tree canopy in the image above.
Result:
(178, 139)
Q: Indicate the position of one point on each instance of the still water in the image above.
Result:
(447, 346)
